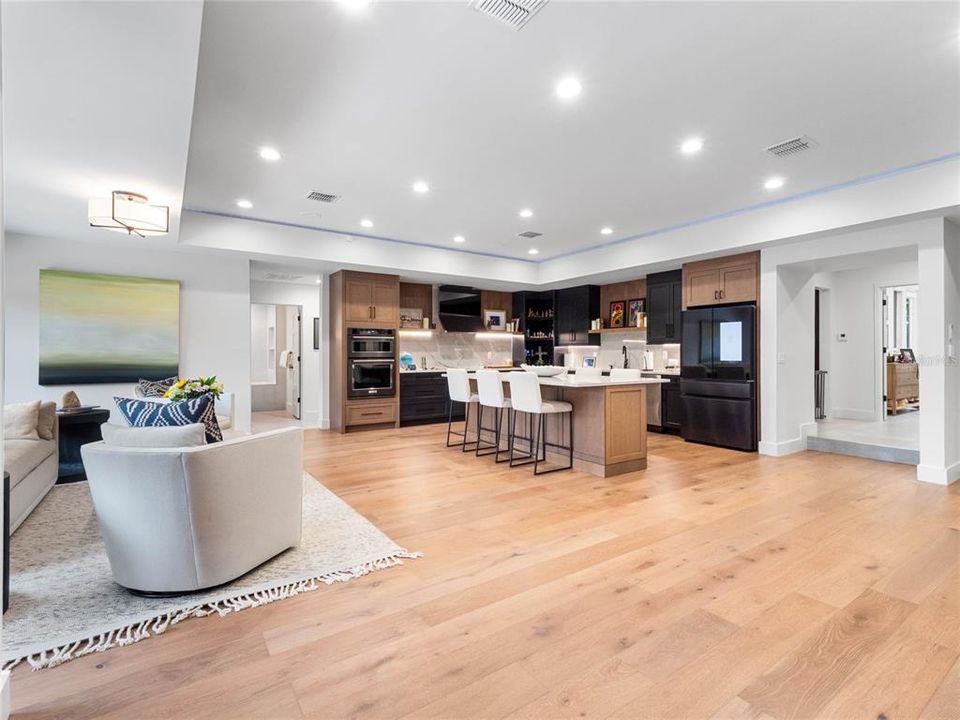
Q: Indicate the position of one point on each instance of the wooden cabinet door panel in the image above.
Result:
(385, 303)
(702, 287)
(358, 306)
(738, 284)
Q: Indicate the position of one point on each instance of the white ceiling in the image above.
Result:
(96, 97)
(362, 104)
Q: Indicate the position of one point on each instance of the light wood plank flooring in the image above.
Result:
(714, 584)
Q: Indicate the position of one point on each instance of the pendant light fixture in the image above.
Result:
(129, 212)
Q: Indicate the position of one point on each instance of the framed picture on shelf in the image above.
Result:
(636, 312)
(411, 318)
(617, 308)
(907, 355)
(495, 320)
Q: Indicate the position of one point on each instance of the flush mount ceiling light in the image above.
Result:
(269, 153)
(366, 223)
(533, 251)
(526, 213)
(568, 88)
(421, 187)
(128, 212)
(459, 238)
(606, 231)
(774, 183)
(245, 204)
(691, 146)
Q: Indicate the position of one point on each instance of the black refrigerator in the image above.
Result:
(718, 381)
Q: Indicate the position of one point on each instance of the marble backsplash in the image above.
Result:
(467, 350)
(610, 352)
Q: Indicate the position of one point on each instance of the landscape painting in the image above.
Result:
(107, 328)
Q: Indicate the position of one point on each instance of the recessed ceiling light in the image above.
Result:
(606, 231)
(421, 187)
(245, 204)
(354, 5)
(533, 251)
(458, 238)
(568, 88)
(269, 153)
(526, 213)
(366, 223)
(691, 146)
(773, 183)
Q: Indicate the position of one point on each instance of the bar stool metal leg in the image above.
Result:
(541, 437)
(466, 428)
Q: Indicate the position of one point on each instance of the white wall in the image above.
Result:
(313, 402)
(214, 312)
(854, 380)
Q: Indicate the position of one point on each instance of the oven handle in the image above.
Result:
(378, 362)
(371, 337)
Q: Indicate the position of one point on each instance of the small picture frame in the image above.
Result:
(495, 320)
(636, 310)
(589, 362)
(907, 355)
(617, 313)
(411, 318)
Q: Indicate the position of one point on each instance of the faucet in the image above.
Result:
(625, 361)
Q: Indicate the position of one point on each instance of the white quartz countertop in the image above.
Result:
(572, 381)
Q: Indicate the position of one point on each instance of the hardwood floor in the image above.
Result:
(714, 584)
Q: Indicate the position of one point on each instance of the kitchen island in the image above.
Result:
(609, 423)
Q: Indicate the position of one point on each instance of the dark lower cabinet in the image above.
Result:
(424, 399)
(671, 407)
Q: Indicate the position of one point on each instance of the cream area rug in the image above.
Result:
(64, 603)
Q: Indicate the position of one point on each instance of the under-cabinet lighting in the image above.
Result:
(417, 333)
(496, 334)
(577, 347)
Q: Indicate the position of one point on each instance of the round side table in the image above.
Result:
(77, 429)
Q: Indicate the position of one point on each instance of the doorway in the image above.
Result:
(275, 363)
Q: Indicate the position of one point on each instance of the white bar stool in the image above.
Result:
(490, 388)
(588, 373)
(625, 374)
(458, 386)
(525, 397)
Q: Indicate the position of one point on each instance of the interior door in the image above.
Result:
(293, 323)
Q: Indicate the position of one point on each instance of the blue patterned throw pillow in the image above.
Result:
(144, 413)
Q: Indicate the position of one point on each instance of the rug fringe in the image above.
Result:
(138, 631)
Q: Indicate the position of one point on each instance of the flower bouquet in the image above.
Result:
(184, 389)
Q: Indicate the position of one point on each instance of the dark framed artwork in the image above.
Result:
(635, 309)
(908, 355)
(617, 309)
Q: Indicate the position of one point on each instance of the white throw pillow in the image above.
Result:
(20, 421)
(172, 436)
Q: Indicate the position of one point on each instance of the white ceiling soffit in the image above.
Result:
(97, 96)
(430, 91)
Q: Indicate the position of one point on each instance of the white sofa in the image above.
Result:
(33, 466)
(176, 520)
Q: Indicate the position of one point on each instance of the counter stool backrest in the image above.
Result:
(525, 392)
(589, 373)
(490, 388)
(625, 374)
(458, 384)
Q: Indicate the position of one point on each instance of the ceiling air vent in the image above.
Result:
(515, 13)
(529, 234)
(792, 147)
(323, 197)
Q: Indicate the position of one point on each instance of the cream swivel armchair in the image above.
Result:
(177, 520)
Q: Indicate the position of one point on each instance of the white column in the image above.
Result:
(4, 677)
(939, 325)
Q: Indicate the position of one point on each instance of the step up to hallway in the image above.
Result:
(884, 453)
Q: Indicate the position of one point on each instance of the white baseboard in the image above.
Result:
(810, 429)
(4, 695)
(787, 447)
(851, 414)
(311, 419)
(325, 424)
(938, 475)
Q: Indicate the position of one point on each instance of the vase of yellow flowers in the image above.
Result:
(186, 389)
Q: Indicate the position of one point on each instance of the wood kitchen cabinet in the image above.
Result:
(664, 307)
(726, 280)
(371, 300)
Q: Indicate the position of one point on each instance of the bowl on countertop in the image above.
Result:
(544, 370)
